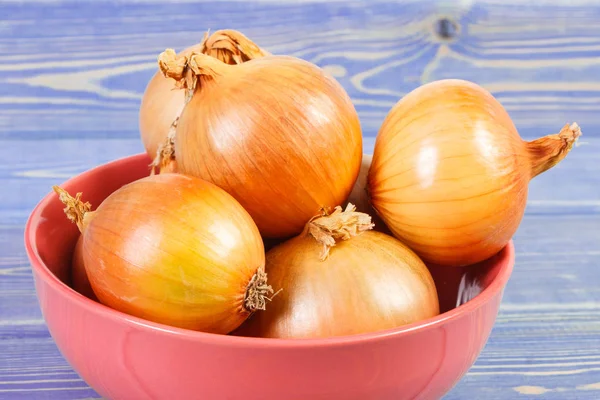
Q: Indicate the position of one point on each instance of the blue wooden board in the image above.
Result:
(72, 75)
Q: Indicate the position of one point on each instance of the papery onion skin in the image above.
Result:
(174, 249)
(277, 133)
(450, 173)
(79, 278)
(368, 283)
(162, 103)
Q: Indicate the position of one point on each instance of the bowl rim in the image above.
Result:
(42, 271)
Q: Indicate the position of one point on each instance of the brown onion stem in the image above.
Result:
(75, 210)
(186, 69)
(231, 47)
(549, 150)
(221, 49)
(177, 68)
(206, 67)
(339, 225)
(257, 292)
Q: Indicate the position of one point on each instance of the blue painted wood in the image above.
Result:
(72, 75)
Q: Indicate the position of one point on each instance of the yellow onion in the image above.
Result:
(450, 173)
(173, 249)
(277, 133)
(339, 277)
(161, 105)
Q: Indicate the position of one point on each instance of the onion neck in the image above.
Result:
(188, 69)
(338, 225)
(549, 150)
(231, 47)
(218, 51)
(75, 209)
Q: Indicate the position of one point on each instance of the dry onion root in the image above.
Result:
(173, 249)
(161, 105)
(277, 133)
(450, 173)
(343, 278)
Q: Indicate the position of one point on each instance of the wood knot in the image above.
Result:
(446, 29)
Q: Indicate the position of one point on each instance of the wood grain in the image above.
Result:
(72, 75)
(89, 64)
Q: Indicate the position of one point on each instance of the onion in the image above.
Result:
(277, 133)
(161, 105)
(450, 173)
(79, 278)
(367, 281)
(173, 249)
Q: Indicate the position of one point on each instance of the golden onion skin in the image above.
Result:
(173, 249)
(450, 173)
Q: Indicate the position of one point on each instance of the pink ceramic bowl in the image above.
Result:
(123, 357)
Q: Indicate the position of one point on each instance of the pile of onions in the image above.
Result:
(277, 133)
(161, 105)
(173, 249)
(339, 277)
(450, 173)
(254, 150)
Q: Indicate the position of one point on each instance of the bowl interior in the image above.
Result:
(53, 237)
